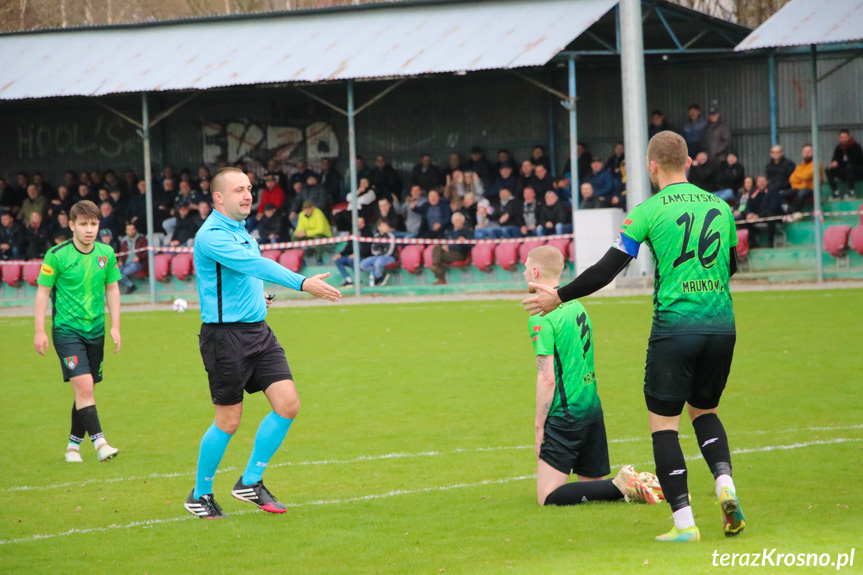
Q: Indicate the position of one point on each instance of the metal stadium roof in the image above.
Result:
(805, 22)
(389, 40)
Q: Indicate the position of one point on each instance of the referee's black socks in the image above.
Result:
(584, 491)
(713, 443)
(671, 468)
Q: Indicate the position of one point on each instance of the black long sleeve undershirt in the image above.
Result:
(605, 270)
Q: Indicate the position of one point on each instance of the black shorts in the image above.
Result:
(688, 368)
(582, 450)
(241, 356)
(80, 355)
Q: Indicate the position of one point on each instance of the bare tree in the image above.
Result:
(751, 13)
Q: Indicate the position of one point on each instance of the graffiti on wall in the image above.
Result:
(107, 135)
(256, 143)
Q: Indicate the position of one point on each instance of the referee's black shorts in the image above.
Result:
(691, 368)
(241, 356)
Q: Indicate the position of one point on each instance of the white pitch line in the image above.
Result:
(395, 455)
(396, 492)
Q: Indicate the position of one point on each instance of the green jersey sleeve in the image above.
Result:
(113, 274)
(48, 271)
(542, 335)
(636, 225)
(732, 235)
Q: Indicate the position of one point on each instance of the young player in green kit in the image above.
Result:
(77, 276)
(570, 429)
(691, 235)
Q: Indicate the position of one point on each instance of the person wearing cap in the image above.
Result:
(186, 228)
(312, 224)
(271, 194)
(270, 226)
(693, 130)
(107, 237)
(716, 140)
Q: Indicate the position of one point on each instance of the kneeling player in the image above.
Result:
(570, 432)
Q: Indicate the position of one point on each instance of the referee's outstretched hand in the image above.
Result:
(545, 301)
(316, 286)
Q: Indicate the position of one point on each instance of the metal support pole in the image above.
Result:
(148, 178)
(771, 80)
(551, 142)
(573, 150)
(634, 110)
(352, 158)
(816, 172)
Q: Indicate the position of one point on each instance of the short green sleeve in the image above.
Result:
(636, 225)
(48, 271)
(733, 233)
(542, 335)
(113, 274)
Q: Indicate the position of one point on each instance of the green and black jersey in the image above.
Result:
(689, 233)
(78, 287)
(567, 336)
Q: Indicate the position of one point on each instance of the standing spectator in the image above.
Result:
(163, 210)
(453, 164)
(426, 175)
(585, 159)
(449, 253)
(302, 172)
(778, 171)
(134, 261)
(363, 171)
(271, 194)
(762, 203)
(614, 164)
(270, 225)
(33, 202)
(386, 212)
(540, 158)
(437, 215)
(702, 173)
(127, 186)
(345, 259)
(136, 210)
(529, 213)
(381, 255)
(504, 158)
(554, 217)
(275, 170)
(110, 220)
(107, 238)
(186, 227)
(84, 193)
(46, 190)
(331, 181)
(505, 179)
(13, 238)
(9, 200)
(385, 179)
(120, 203)
(203, 174)
(312, 224)
(693, 130)
(603, 184)
(658, 123)
(846, 165)
(729, 178)
(22, 180)
(479, 165)
(802, 181)
(716, 140)
(411, 210)
(542, 180)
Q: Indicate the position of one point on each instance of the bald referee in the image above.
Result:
(239, 349)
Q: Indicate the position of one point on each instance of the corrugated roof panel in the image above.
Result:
(805, 22)
(390, 41)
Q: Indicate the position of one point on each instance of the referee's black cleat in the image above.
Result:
(257, 494)
(204, 507)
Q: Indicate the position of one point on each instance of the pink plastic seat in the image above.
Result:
(482, 256)
(411, 258)
(182, 266)
(272, 254)
(742, 244)
(836, 240)
(292, 259)
(31, 270)
(11, 274)
(162, 265)
(506, 255)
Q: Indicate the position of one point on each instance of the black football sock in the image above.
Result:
(671, 468)
(584, 491)
(90, 419)
(713, 443)
(76, 435)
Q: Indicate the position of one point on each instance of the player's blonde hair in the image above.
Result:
(548, 259)
(668, 150)
(218, 181)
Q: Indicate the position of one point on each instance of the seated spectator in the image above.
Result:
(312, 224)
(743, 196)
(479, 165)
(472, 184)
(542, 180)
(603, 184)
(693, 130)
(540, 158)
(274, 169)
(38, 237)
(163, 209)
(186, 227)
(554, 217)
(802, 182)
(658, 123)
(382, 255)
(203, 174)
(9, 200)
(504, 179)
(103, 196)
(504, 158)
(84, 193)
(613, 165)
(426, 175)
(110, 220)
(454, 187)
(203, 193)
(729, 178)
(584, 159)
(508, 215)
(331, 181)
(59, 225)
(128, 185)
(411, 211)
(437, 215)
(106, 237)
(468, 209)
(486, 227)
(846, 165)
(453, 163)
(449, 253)
(270, 225)
(135, 261)
(302, 172)
(366, 202)
(310, 193)
(33, 202)
(386, 212)
(385, 180)
(119, 202)
(529, 213)
(762, 203)
(13, 238)
(589, 201)
(205, 208)
(778, 171)
(524, 177)
(563, 188)
(271, 194)
(702, 172)
(345, 259)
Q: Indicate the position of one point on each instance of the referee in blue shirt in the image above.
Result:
(239, 349)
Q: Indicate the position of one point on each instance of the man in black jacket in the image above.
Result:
(445, 254)
(847, 164)
(729, 178)
(554, 217)
(508, 214)
(426, 175)
(385, 179)
(762, 203)
(778, 170)
(13, 238)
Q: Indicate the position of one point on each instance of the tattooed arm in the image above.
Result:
(544, 395)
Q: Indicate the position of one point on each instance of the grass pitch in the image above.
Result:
(413, 449)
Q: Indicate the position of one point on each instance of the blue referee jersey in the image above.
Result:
(230, 272)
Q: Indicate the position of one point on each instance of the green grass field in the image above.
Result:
(413, 449)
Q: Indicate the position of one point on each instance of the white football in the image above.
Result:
(180, 305)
